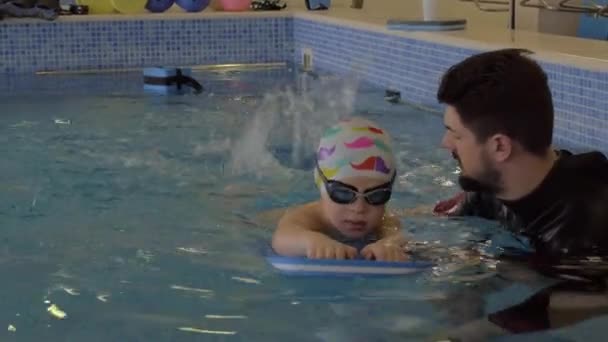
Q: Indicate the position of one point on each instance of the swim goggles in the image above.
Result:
(342, 193)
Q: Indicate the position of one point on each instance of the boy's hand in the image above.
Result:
(383, 251)
(322, 247)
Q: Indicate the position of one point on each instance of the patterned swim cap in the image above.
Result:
(355, 148)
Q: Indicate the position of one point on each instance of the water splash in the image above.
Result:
(284, 132)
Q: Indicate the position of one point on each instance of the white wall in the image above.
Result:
(529, 19)
(413, 8)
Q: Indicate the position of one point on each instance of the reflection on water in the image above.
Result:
(553, 308)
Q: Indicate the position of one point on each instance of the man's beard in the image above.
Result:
(488, 181)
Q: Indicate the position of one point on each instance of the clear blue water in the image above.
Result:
(131, 213)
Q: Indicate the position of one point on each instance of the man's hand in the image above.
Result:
(450, 206)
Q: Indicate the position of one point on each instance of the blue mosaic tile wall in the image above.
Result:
(415, 68)
(581, 102)
(64, 45)
(411, 66)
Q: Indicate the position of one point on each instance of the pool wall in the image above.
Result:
(414, 67)
(109, 42)
(384, 58)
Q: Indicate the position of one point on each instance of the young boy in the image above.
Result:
(355, 172)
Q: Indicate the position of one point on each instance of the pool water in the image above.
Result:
(142, 217)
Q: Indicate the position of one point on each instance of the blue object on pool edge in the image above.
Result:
(159, 6)
(316, 5)
(426, 25)
(332, 267)
(193, 5)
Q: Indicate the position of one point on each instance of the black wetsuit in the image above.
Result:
(565, 216)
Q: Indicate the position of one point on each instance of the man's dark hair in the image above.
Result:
(504, 92)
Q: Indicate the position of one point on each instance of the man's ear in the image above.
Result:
(500, 147)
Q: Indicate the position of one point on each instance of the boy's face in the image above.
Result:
(357, 219)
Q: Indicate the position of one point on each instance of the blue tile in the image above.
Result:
(413, 66)
(85, 45)
(580, 96)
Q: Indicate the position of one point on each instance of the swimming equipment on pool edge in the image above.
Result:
(159, 6)
(129, 6)
(165, 80)
(315, 5)
(356, 267)
(193, 5)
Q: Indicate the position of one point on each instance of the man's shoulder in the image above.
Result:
(593, 203)
(584, 228)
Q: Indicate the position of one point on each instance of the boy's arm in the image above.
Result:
(390, 246)
(300, 232)
(295, 228)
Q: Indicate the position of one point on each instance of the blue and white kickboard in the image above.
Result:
(357, 267)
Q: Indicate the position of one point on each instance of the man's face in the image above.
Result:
(478, 172)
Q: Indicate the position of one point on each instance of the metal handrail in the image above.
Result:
(480, 5)
(565, 6)
(543, 4)
(596, 9)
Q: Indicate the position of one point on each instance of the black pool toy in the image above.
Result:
(170, 81)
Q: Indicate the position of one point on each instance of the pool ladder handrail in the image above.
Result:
(490, 5)
(564, 6)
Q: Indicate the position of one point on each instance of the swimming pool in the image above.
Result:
(139, 215)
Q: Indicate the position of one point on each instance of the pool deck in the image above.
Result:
(585, 53)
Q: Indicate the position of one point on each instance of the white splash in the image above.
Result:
(293, 118)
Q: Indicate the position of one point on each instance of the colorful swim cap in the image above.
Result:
(355, 148)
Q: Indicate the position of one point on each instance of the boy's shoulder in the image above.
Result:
(304, 208)
(272, 217)
(306, 212)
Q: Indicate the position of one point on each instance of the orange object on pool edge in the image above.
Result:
(235, 5)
